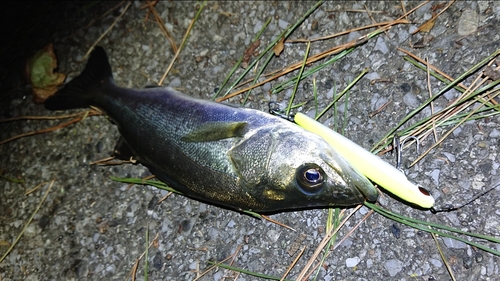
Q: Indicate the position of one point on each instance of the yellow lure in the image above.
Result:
(374, 168)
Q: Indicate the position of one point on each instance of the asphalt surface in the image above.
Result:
(92, 228)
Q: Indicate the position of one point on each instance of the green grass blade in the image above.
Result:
(251, 273)
(284, 34)
(298, 79)
(442, 91)
(231, 72)
(342, 93)
(424, 226)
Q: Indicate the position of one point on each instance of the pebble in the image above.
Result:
(352, 262)
(393, 267)
(410, 100)
(468, 22)
(381, 46)
(282, 24)
(454, 244)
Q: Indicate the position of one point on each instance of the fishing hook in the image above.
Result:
(274, 109)
(398, 145)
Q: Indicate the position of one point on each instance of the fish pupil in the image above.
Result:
(312, 175)
(310, 179)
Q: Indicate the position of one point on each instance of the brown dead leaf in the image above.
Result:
(250, 51)
(491, 73)
(428, 25)
(437, 7)
(4, 243)
(279, 47)
(40, 74)
(296, 245)
(423, 42)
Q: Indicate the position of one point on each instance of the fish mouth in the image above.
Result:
(352, 176)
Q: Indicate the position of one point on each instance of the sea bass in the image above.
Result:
(238, 158)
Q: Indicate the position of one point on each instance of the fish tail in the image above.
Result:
(83, 89)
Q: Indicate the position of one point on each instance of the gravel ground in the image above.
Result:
(92, 228)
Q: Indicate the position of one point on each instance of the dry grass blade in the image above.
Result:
(217, 264)
(28, 222)
(311, 59)
(380, 109)
(87, 113)
(293, 263)
(277, 222)
(443, 258)
(401, 19)
(323, 243)
(429, 88)
(341, 241)
(369, 13)
(151, 6)
(43, 117)
(385, 23)
(404, 9)
(105, 32)
(454, 127)
(469, 96)
(188, 31)
(422, 61)
(133, 272)
(425, 25)
(456, 107)
(35, 188)
(164, 197)
(95, 20)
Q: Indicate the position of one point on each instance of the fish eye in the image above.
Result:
(310, 178)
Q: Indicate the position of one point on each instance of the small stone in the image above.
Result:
(467, 262)
(393, 267)
(452, 243)
(478, 257)
(468, 22)
(352, 262)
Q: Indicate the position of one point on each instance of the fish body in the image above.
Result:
(238, 158)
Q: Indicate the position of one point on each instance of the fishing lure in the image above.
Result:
(372, 166)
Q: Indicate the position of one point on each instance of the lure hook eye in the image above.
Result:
(310, 178)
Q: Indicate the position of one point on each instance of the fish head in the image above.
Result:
(293, 169)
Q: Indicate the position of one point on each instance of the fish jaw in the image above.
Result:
(282, 160)
(351, 175)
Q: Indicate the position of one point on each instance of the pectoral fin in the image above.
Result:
(122, 150)
(214, 131)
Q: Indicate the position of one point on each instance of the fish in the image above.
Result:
(233, 157)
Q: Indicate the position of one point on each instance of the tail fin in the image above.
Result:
(79, 91)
